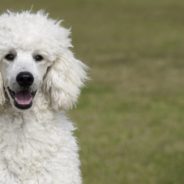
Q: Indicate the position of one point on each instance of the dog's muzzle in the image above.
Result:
(23, 98)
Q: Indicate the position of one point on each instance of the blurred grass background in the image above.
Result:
(130, 115)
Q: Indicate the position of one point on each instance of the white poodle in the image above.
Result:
(39, 80)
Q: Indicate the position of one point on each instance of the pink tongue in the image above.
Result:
(23, 97)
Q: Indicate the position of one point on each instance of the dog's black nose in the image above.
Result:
(25, 79)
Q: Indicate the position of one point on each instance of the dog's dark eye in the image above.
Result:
(10, 57)
(38, 57)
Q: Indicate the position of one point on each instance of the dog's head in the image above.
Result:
(35, 58)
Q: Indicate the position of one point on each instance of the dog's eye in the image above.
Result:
(10, 57)
(38, 57)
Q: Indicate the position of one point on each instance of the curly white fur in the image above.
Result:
(37, 146)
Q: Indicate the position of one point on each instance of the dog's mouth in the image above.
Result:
(22, 99)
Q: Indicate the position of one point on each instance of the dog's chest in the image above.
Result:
(38, 148)
(26, 147)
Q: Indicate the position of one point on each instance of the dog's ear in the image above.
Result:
(2, 95)
(63, 81)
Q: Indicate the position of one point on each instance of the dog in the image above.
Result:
(40, 79)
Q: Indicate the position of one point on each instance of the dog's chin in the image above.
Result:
(22, 99)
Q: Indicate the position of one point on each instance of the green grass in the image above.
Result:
(130, 115)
